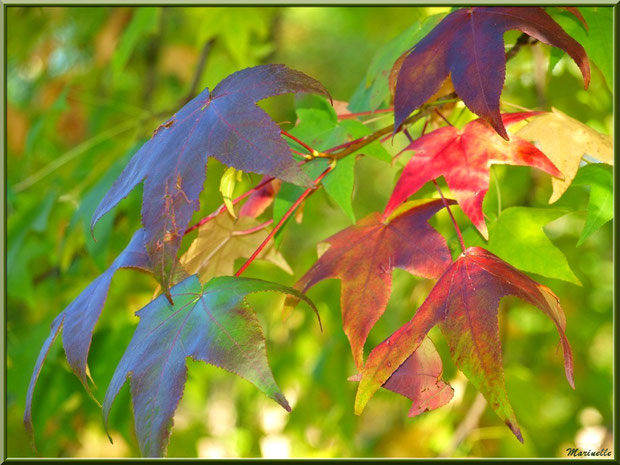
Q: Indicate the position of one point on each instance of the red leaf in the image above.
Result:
(225, 124)
(363, 256)
(464, 303)
(419, 379)
(463, 157)
(260, 200)
(468, 46)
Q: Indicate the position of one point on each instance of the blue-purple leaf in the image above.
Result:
(215, 325)
(225, 124)
(80, 317)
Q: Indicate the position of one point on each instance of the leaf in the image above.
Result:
(221, 241)
(227, 188)
(318, 126)
(565, 141)
(225, 124)
(464, 302)
(259, 200)
(601, 202)
(518, 238)
(363, 256)
(419, 379)
(373, 91)
(80, 317)
(595, 39)
(468, 46)
(215, 325)
(463, 157)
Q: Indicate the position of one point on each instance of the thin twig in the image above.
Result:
(202, 63)
(245, 232)
(300, 142)
(469, 423)
(221, 208)
(364, 113)
(456, 226)
(289, 212)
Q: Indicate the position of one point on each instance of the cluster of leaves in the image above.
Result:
(227, 124)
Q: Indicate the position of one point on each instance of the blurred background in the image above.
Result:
(88, 85)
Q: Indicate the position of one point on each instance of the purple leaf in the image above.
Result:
(225, 124)
(215, 325)
(80, 317)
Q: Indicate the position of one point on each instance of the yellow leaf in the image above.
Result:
(565, 141)
(227, 188)
(223, 240)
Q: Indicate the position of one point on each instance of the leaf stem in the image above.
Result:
(245, 232)
(300, 142)
(456, 226)
(289, 212)
(364, 113)
(221, 208)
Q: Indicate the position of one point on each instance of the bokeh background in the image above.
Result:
(87, 85)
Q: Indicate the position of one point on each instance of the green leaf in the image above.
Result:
(597, 40)
(600, 178)
(318, 126)
(518, 238)
(374, 90)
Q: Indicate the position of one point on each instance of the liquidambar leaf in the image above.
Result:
(363, 256)
(517, 236)
(464, 302)
(419, 379)
(222, 240)
(600, 178)
(225, 124)
(215, 325)
(565, 141)
(80, 317)
(468, 46)
(463, 157)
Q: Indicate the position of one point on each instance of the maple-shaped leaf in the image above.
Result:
(463, 157)
(259, 200)
(419, 379)
(464, 302)
(600, 178)
(565, 141)
(80, 317)
(224, 239)
(468, 46)
(363, 257)
(517, 236)
(225, 124)
(213, 324)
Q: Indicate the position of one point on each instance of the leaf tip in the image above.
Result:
(515, 430)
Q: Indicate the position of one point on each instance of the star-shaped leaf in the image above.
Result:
(419, 379)
(80, 317)
(225, 124)
(224, 239)
(517, 236)
(213, 324)
(600, 178)
(468, 46)
(463, 157)
(565, 141)
(363, 257)
(464, 302)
